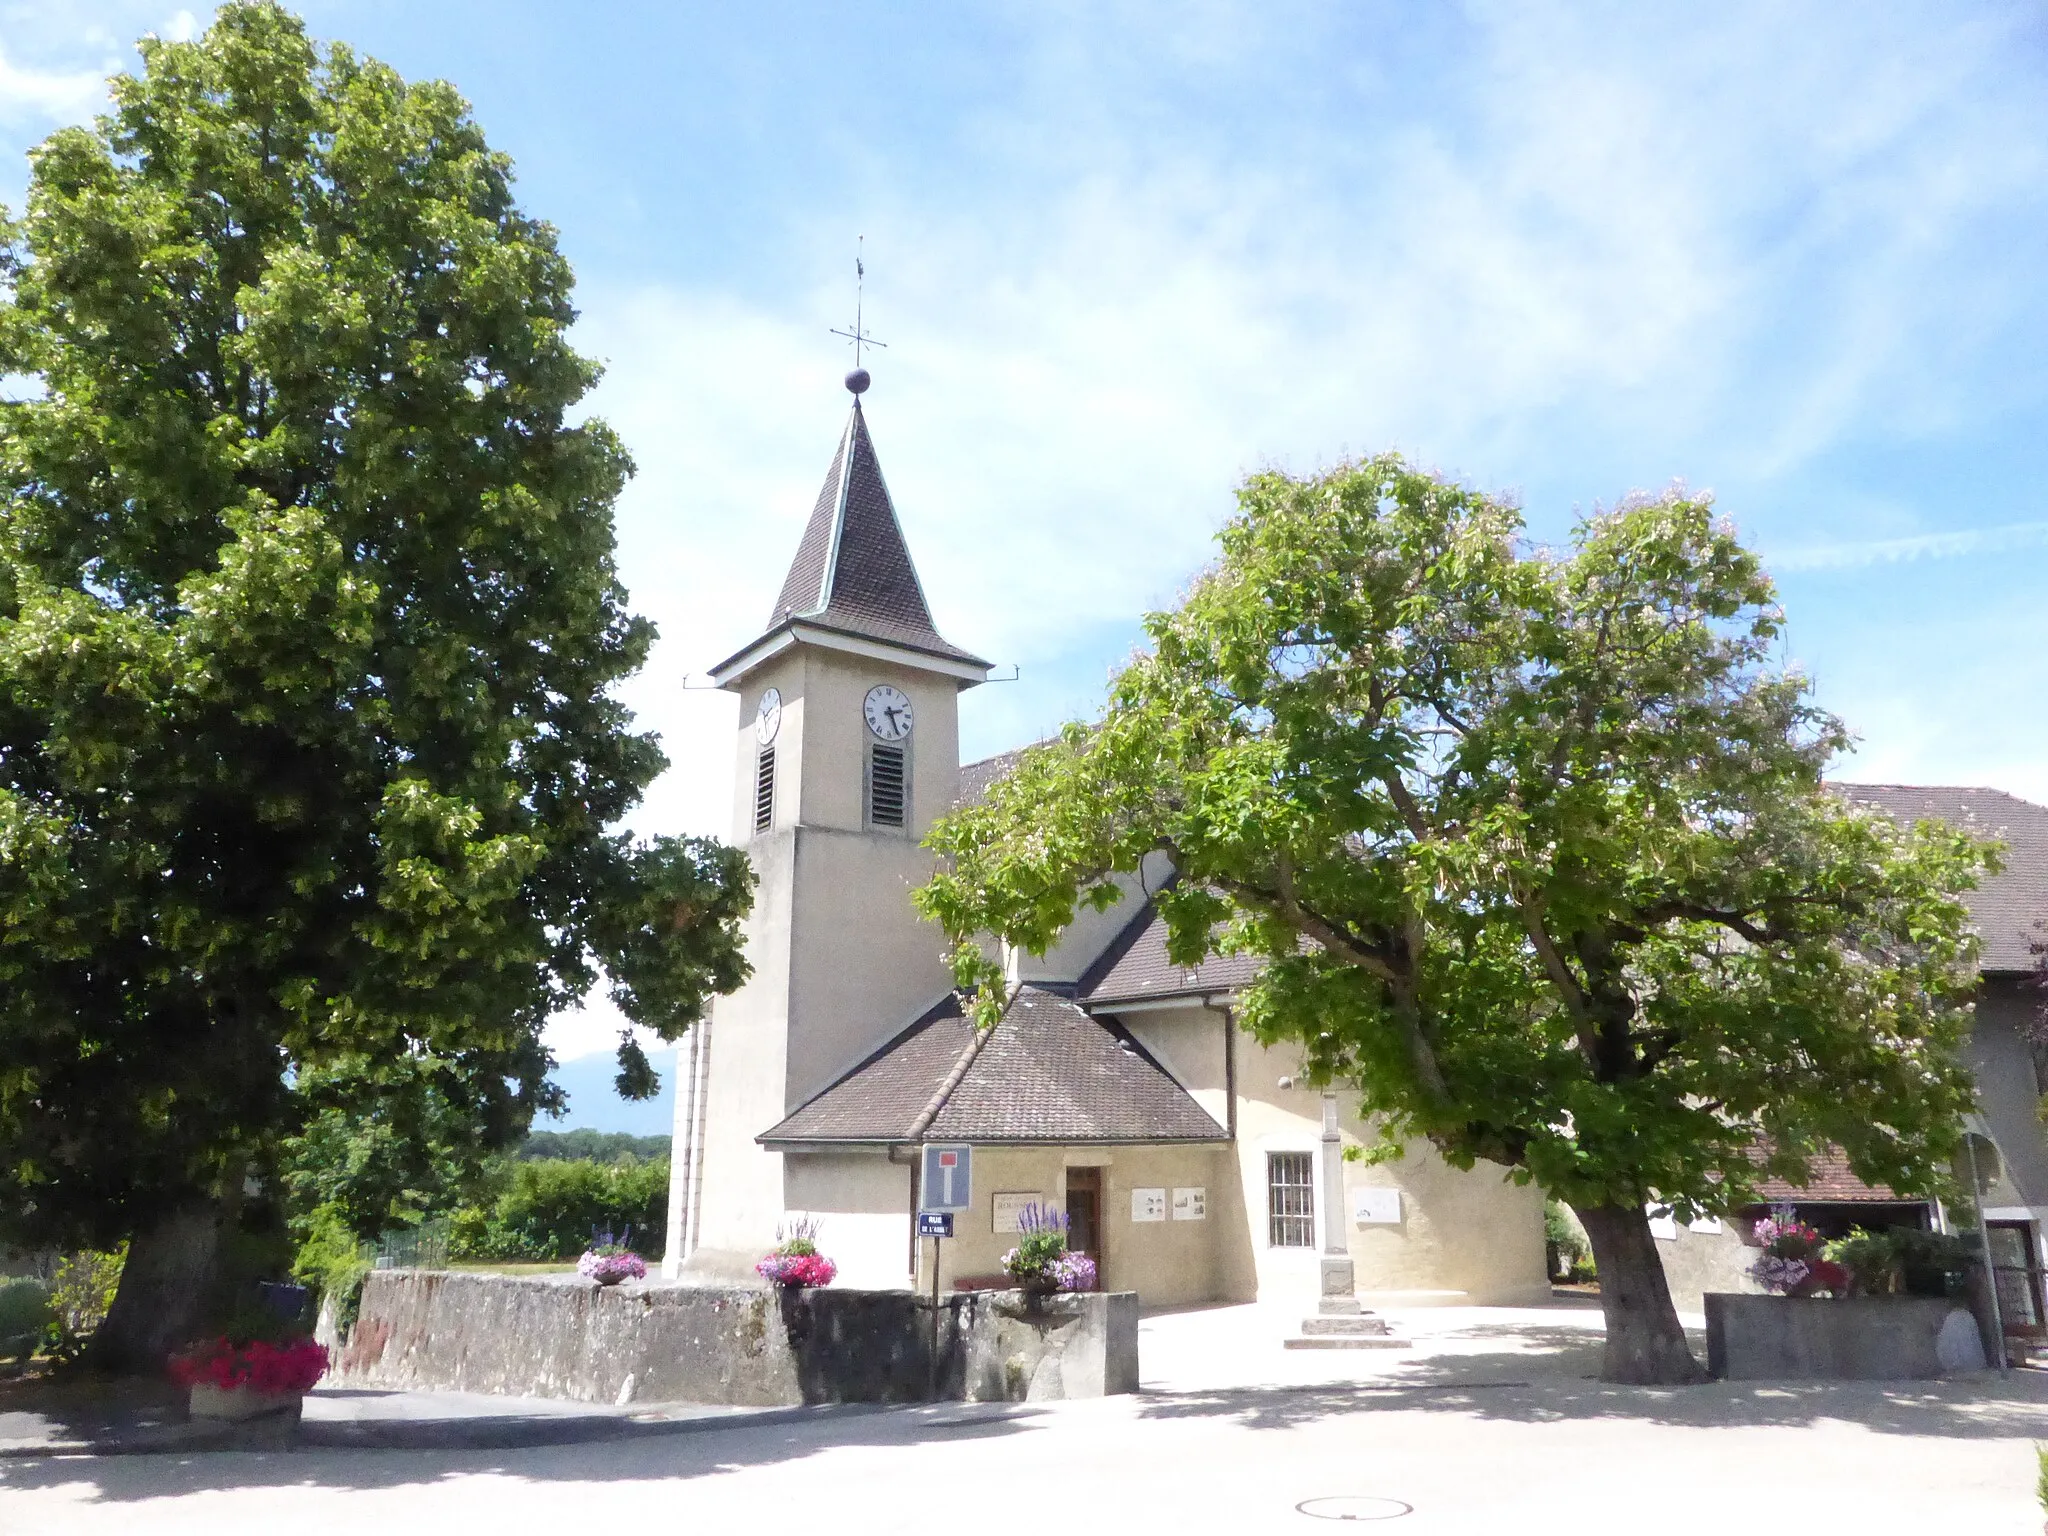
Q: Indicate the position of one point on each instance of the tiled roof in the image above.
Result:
(1831, 1183)
(1047, 1072)
(977, 778)
(852, 570)
(2007, 908)
(1135, 968)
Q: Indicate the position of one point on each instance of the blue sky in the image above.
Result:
(1125, 253)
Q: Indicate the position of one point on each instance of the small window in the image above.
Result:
(1291, 1199)
(886, 785)
(764, 790)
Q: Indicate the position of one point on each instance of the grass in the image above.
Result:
(532, 1267)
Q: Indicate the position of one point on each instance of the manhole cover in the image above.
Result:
(1354, 1506)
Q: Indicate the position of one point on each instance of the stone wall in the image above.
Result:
(543, 1337)
(1869, 1338)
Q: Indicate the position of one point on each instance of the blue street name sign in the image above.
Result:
(948, 1179)
(934, 1223)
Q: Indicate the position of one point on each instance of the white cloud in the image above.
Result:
(1609, 250)
(31, 97)
(1963, 542)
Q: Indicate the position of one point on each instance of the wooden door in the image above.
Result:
(1084, 1217)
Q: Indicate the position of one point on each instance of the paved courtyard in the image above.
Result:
(1491, 1424)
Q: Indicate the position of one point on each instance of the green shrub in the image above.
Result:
(1872, 1259)
(1564, 1241)
(550, 1208)
(26, 1316)
(333, 1261)
(81, 1291)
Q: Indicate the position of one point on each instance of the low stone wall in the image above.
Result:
(534, 1337)
(1866, 1338)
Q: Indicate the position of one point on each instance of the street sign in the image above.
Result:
(934, 1223)
(948, 1179)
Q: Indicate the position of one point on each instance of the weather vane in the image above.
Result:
(857, 381)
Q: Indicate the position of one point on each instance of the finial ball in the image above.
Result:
(858, 381)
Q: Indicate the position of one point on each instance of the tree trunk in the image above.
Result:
(167, 1291)
(1645, 1345)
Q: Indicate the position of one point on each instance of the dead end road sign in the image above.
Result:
(948, 1179)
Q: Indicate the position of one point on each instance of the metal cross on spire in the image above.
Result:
(858, 336)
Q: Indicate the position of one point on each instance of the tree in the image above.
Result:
(309, 626)
(1535, 846)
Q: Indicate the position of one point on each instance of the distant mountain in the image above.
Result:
(595, 1105)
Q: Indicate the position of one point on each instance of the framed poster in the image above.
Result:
(1190, 1204)
(1009, 1207)
(1148, 1205)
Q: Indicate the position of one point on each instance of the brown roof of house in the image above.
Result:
(852, 572)
(1831, 1183)
(1135, 968)
(1047, 1072)
(2007, 908)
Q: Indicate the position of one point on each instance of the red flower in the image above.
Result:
(259, 1365)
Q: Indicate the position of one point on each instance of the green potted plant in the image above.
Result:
(1041, 1263)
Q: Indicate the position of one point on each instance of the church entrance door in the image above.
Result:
(1084, 1217)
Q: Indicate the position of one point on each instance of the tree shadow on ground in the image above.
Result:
(650, 1451)
(1528, 1388)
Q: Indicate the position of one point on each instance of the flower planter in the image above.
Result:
(237, 1404)
(1863, 1338)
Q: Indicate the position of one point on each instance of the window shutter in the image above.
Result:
(887, 785)
(764, 790)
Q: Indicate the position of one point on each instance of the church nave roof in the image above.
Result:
(1047, 1072)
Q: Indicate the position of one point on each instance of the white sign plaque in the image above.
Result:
(1376, 1207)
(1010, 1205)
(1148, 1205)
(1190, 1204)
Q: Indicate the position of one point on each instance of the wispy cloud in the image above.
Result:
(1853, 553)
(30, 97)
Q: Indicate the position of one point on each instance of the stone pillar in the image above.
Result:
(1339, 1280)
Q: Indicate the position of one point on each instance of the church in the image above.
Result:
(1192, 1164)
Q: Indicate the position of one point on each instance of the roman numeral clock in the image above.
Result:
(889, 720)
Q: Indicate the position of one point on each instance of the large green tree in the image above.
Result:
(1535, 846)
(309, 626)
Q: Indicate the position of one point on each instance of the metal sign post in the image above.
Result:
(947, 1186)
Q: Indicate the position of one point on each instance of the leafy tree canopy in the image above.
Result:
(1535, 846)
(309, 627)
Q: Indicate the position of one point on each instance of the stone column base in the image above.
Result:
(1339, 1288)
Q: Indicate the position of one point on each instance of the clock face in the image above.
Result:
(888, 712)
(768, 718)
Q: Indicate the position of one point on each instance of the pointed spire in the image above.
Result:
(853, 573)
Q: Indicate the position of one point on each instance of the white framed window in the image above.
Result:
(1291, 1199)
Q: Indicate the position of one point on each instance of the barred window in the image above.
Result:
(1291, 1199)
(764, 790)
(887, 785)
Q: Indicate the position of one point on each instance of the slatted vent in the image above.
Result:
(764, 790)
(885, 786)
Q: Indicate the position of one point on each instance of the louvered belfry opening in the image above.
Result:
(887, 785)
(764, 790)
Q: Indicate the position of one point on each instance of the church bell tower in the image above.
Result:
(847, 750)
